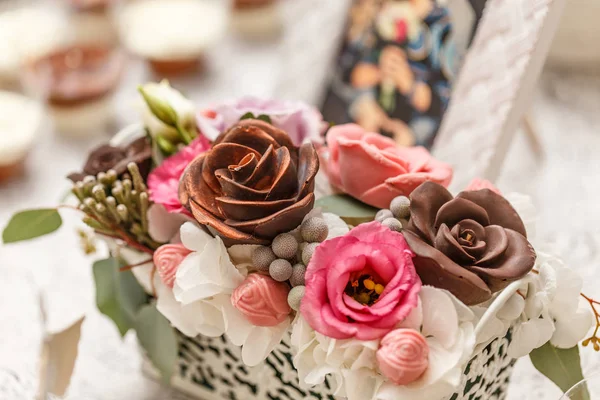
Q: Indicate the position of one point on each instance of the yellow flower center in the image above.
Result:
(365, 290)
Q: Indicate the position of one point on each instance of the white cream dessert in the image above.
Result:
(256, 18)
(20, 121)
(172, 34)
(27, 32)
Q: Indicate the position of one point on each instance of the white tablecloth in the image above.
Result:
(564, 185)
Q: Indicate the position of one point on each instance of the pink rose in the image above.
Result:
(262, 300)
(163, 181)
(300, 121)
(373, 169)
(167, 259)
(478, 184)
(360, 285)
(403, 356)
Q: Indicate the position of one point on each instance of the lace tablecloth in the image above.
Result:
(564, 185)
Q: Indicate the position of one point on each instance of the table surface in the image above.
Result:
(564, 185)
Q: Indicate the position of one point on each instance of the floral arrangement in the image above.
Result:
(388, 287)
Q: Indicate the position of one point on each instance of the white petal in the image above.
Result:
(237, 326)
(163, 225)
(440, 318)
(143, 274)
(187, 318)
(241, 253)
(414, 319)
(530, 335)
(513, 308)
(361, 385)
(569, 331)
(337, 227)
(193, 237)
(261, 341)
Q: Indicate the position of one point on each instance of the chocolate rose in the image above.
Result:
(472, 245)
(252, 185)
(108, 157)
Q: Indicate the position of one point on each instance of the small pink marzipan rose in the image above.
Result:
(262, 300)
(403, 356)
(167, 259)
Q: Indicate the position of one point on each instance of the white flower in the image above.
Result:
(553, 309)
(440, 317)
(169, 97)
(200, 302)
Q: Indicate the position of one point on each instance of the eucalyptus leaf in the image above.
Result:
(352, 211)
(119, 296)
(561, 366)
(157, 337)
(248, 115)
(31, 224)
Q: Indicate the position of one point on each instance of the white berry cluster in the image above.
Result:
(287, 257)
(396, 218)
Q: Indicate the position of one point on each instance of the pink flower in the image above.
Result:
(478, 184)
(262, 300)
(163, 181)
(373, 169)
(361, 284)
(403, 356)
(167, 259)
(297, 119)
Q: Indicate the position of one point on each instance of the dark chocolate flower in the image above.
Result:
(252, 185)
(108, 157)
(472, 245)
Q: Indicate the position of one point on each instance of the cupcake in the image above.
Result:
(256, 18)
(20, 121)
(172, 35)
(78, 83)
(27, 31)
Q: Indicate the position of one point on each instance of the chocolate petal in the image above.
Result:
(201, 194)
(229, 234)
(242, 171)
(308, 166)
(265, 169)
(222, 156)
(240, 210)
(459, 209)
(472, 225)
(517, 261)
(447, 244)
(497, 243)
(231, 188)
(282, 138)
(104, 158)
(499, 210)
(191, 174)
(435, 269)
(425, 201)
(280, 222)
(249, 136)
(285, 183)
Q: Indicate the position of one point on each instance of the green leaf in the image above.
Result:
(248, 115)
(157, 337)
(264, 117)
(352, 211)
(30, 224)
(119, 296)
(561, 366)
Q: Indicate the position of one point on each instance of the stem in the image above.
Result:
(185, 136)
(132, 266)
